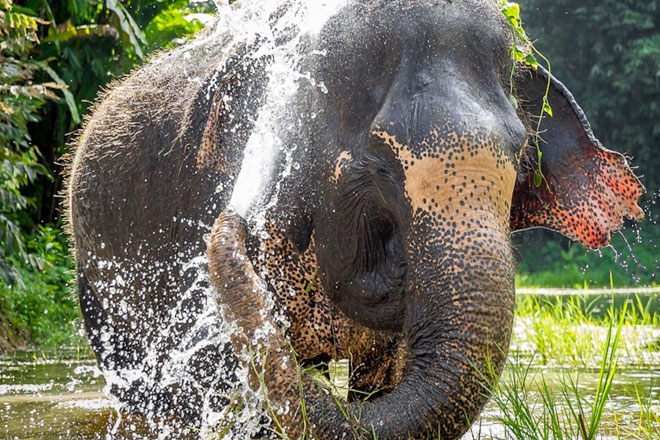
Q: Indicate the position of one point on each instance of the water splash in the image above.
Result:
(179, 338)
(258, 183)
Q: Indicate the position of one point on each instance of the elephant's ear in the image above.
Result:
(236, 94)
(585, 190)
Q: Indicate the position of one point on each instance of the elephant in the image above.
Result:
(357, 206)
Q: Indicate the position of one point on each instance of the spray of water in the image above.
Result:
(634, 249)
(278, 27)
(258, 182)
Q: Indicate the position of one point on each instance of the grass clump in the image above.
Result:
(529, 403)
(571, 330)
(38, 308)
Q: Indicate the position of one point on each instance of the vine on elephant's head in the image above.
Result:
(523, 51)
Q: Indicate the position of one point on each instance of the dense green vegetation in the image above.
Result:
(55, 57)
(568, 331)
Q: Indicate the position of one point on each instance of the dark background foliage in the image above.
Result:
(56, 56)
(607, 52)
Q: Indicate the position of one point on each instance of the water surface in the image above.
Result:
(53, 399)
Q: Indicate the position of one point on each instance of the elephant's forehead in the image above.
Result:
(421, 10)
(449, 176)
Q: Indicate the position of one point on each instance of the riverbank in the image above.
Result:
(55, 327)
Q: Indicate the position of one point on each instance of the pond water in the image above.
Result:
(41, 398)
(45, 399)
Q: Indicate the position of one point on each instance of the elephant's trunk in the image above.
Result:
(458, 322)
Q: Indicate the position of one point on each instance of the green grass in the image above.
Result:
(571, 330)
(533, 403)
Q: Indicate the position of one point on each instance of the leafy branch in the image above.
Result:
(20, 101)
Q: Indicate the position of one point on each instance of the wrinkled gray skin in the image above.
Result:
(412, 232)
(138, 199)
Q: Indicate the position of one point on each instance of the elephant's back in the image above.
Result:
(139, 206)
(134, 176)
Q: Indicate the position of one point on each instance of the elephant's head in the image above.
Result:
(418, 169)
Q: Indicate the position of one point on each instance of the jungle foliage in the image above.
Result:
(55, 57)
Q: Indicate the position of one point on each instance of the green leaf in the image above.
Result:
(531, 60)
(518, 54)
(513, 101)
(68, 96)
(71, 32)
(538, 178)
(128, 25)
(53, 23)
(512, 10)
(546, 107)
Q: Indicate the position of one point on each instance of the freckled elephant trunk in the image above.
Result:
(458, 324)
(458, 321)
